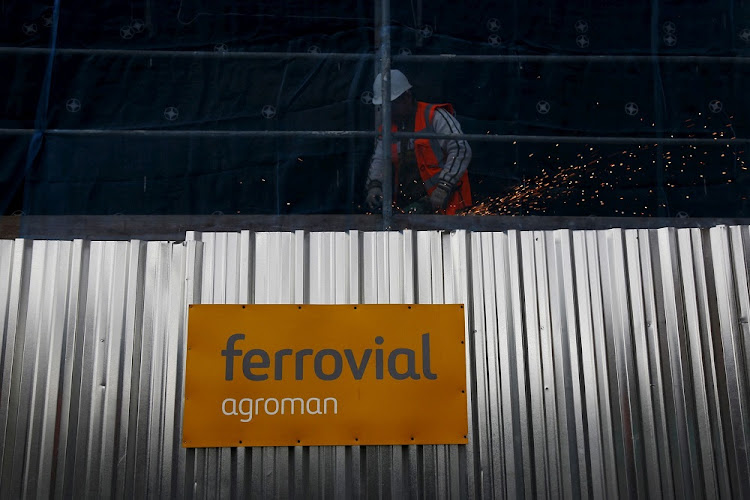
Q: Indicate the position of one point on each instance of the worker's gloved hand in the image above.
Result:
(421, 206)
(374, 197)
(440, 196)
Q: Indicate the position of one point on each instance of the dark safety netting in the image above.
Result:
(610, 108)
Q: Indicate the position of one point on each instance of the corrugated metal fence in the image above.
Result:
(602, 363)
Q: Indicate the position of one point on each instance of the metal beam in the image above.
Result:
(385, 75)
(563, 139)
(489, 58)
(187, 54)
(342, 134)
(307, 134)
(662, 207)
(561, 58)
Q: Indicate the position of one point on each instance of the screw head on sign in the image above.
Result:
(126, 32)
(670, 40)
(715, 106)
(268, 111)
(73, 105)
(171, 113)
(220, 47)
(581, 26)
(745, 35)
(366, 97)
(542, 107)
(582, 41)
(29, 29)
(426, 31)
(494, 40)
(137, 25)
(631, 109)
(493, 24)
(404, 51)
(669, 27)
(314, 49)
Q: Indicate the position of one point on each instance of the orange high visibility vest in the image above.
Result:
(431, 158)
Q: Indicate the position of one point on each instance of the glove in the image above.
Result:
(374, 197)
(421, 206)
(440, 196)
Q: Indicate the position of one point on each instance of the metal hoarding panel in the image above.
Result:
(600, 363)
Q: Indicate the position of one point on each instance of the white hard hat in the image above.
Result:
(399, 85)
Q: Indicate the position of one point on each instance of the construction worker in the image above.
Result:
(430, 175)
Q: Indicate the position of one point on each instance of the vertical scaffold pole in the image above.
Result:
(384, 22)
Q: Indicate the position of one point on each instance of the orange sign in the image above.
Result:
(303, 375)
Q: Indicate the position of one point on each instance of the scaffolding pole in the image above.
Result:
(434, 58)
(384, 21)
(342, 134)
